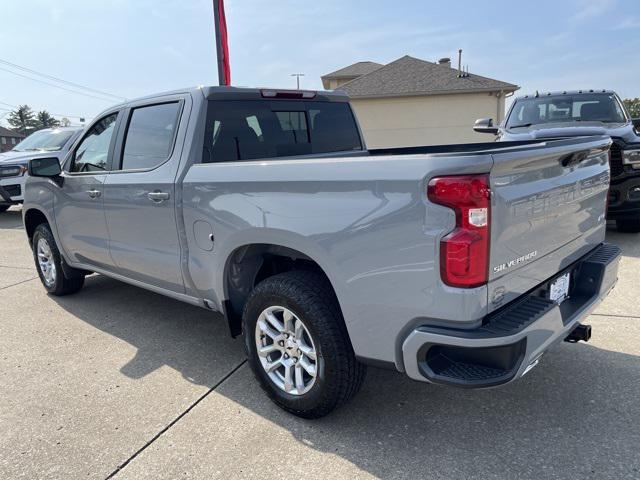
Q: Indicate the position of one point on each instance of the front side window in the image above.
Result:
(246, 130)
(149, 137)
(93, 152)
(294, 126)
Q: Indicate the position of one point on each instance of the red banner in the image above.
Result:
(222, 41)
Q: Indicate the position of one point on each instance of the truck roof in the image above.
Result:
(565, 92)
(245, 93)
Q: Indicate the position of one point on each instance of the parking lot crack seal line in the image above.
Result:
(174, 421)
(613, 315)
(19, 283)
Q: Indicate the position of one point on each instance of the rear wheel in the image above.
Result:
(629, 226)
(49, 264)
(298, 346)
(4, 208)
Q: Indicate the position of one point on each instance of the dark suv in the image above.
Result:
(579, 113)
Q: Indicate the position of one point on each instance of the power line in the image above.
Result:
(57, 86)
(51, 77)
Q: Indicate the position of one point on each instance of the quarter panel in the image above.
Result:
(365, 221)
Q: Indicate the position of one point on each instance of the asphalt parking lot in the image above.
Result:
(118, 382)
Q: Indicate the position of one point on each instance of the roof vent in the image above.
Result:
(445, 61)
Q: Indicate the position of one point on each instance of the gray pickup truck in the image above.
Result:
(458, 265)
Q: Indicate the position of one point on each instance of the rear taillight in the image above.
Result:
(464, 253)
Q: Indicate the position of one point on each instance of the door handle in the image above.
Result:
(94, 193)
(158, 196)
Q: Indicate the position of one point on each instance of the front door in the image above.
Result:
(139, 197)
(79, 201)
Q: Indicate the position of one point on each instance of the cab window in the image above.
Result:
(149, 138)
(92, 155)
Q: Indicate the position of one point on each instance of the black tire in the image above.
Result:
(62, 284)
(629, 226)
(309, 296)
(4, 208)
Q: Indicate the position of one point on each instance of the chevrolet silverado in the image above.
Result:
(458, 265)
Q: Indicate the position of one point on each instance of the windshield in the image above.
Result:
(593, 107)
(47, 140)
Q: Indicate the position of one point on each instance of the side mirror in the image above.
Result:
(636, 124)
(45, 167)
(485, 125)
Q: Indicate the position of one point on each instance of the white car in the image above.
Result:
(49, 142)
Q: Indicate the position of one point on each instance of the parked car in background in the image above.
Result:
(49, 142)
(458, 265)
(580, 113)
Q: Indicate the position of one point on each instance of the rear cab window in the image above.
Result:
(260, 129)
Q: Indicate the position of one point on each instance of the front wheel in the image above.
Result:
(629, 226)
(298, 346)
(49, 264)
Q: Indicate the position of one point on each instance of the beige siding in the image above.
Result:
(425, 120)
(333, 83)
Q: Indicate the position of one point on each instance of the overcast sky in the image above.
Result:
(133, 48)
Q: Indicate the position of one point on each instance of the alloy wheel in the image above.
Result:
(286, 350)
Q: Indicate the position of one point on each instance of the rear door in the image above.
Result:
(548, 209)
(140, 194)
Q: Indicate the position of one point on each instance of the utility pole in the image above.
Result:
(297, 75)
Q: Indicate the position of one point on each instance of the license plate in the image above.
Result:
(559, 289)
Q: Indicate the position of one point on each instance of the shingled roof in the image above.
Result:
(412, 76)
(355, 70)
(5, 132)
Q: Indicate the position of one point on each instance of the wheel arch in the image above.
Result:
(249, 264)
(32, 218)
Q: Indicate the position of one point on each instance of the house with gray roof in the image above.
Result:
(9, 139)
(411, 102)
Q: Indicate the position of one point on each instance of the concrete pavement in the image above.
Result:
(119, 382)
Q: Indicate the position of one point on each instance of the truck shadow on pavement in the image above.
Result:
(11, 219)
(575, 415)
(629, 242)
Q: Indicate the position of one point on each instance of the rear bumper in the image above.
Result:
(512, 339)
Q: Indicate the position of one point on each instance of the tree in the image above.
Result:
(22, 120)
(65, 122)
(45, 120)
(633, 105)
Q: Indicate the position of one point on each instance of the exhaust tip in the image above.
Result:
(580, 332)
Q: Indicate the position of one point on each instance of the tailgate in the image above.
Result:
(547, 210)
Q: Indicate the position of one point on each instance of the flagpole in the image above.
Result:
(220, 49)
